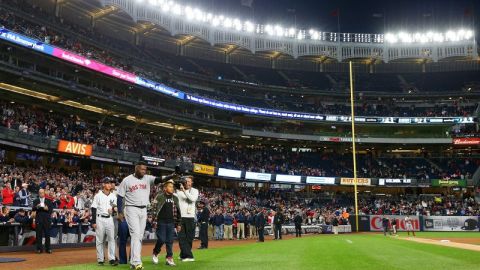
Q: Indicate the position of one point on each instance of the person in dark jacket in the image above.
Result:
(16, 197)
(228, 227)
(54, 228)
(240, 217)
(203, 219)
(218, 221)
(252, 229)
(260, 222)
(298, 225)
(385, 225)
(168, 218)
(335, 224)
(43, 208)
(5, 215)
(278, 221)
(22, 217)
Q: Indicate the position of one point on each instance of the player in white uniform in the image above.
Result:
(133, 199)
(409, 225)
(103, 206)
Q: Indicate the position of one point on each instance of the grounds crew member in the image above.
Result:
(103, 207)
(168, 216)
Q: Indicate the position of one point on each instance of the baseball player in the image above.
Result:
(409, 225)
(103, 206)
(132, 200)
(394, 226)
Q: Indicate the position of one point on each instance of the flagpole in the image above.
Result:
(338, 22)
(354, 151)
(384, 21)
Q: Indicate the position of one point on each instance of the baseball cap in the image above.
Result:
(107, 180)
(169, 182)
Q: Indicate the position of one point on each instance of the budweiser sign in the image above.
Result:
(466, 141)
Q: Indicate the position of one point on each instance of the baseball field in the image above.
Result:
(351, 251)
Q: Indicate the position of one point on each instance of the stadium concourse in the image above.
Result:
(256, 117)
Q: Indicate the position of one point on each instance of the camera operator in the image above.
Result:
(187, 197)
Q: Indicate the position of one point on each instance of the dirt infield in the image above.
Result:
(87, 255)
(463, 243)
(464, 240)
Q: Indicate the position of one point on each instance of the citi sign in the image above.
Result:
(376, 222)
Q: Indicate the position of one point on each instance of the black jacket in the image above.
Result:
(204, 215)
(260, 220)
(279, 219)
(298, 220)
(43, 216)
(335, 222)
(160, 202)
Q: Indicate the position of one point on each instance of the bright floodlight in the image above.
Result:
(438, 37)
(177, 9)
(279, 30)
(269, 29)
(215, 21)
(291, 32)
(196, 14)
(249, 27)
(227, 23)
(301, 34)
(199, 15)
(391, 38)
(468, 34)
(166, 7)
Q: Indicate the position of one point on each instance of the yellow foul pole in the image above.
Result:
(354, 152)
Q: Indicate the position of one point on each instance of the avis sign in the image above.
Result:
(74, 148)
(376, 222)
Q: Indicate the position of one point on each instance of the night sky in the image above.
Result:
(361, 16)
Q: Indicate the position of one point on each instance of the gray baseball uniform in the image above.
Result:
(136, 194)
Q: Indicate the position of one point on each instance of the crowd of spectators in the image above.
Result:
(100, 51)
(258, 158)
(428, 206)
(72, 193)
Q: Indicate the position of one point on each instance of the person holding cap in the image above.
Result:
(42, 211)
(104, 206)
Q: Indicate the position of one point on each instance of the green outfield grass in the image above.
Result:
(358, 251)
